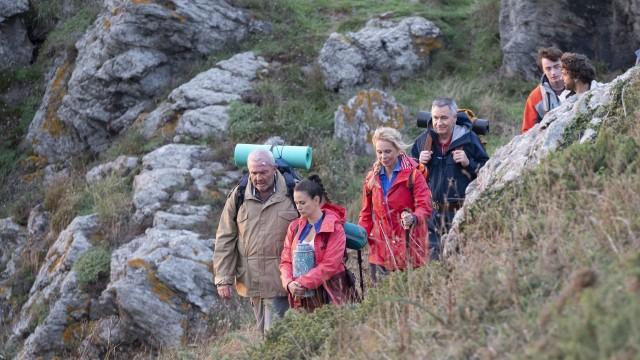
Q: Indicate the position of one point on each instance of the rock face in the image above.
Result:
(128, 57)
(15, 47)
(356, 121)
(384, 51)
(9, 8)
(56, 303)
(13, 238)
(526, 151)
(122, 166)
(198, 109)
(606, 31)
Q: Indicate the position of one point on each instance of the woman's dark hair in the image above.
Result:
(313, 186)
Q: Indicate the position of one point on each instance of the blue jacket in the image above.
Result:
(448, 179)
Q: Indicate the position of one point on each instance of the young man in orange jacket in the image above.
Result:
(547, 95)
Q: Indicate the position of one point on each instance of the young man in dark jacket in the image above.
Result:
(453, 155)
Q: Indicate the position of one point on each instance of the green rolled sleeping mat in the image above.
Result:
(295, 156)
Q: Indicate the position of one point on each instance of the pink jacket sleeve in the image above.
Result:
(331, 263)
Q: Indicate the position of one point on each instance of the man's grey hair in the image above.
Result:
(448, 102)
(262, 155)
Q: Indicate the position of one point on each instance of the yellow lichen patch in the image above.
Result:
(368, 101)
(56, 263)
(106, 24)
(117, 11)
(141, 2)
(178, 16)
(73, 334)
(169, 128)
(159, 288)
(425, 45)
(31, 177)
(138, 263)
(2, 290)
(52, 123)
(34, 163)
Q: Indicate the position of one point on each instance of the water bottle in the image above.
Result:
(303, 262)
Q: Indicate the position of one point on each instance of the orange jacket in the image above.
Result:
(380, 217)
(540, 101)
(329, 247)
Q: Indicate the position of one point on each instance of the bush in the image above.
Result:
(93, 267)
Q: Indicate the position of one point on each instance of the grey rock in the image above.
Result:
(206, 122)
(15, 47)
(131, 55)
(200, 106)
(525, 152)
(185, 217)
(159, 278)
(12, 238)
(56, 303)
(383, 51)
(606, 31)
(356, 121)
(49, 135)
(9, 8)
(121, 166)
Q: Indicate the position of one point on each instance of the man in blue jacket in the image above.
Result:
(453, 155)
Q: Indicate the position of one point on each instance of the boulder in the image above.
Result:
(525, 152)
(50, 319)
(9, 8)
(605, 31)
(132, 54)
(160, 281)
(199, 108)
(384, 51)
(356, 121)
(175, 174)
(122, 166)
(15, 47)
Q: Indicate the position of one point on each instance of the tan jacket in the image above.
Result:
(247, 253)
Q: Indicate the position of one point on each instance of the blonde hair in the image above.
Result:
(390, 135)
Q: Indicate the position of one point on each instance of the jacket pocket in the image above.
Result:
(284, 219)
(242, 223)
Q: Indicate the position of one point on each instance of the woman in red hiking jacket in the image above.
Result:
(321, 225)
(395, 199)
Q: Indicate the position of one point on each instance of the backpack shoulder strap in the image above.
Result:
(411, 181)
(240, 189)
(428, 142)
(290, 180)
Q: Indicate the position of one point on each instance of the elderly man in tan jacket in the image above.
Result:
(248, 247)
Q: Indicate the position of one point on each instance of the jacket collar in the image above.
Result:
(280, 190)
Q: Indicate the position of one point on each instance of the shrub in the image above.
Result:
(92, 267)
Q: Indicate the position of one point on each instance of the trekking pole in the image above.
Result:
(361, 277)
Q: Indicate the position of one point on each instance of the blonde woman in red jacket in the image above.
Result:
(321, 225)
(396, 206)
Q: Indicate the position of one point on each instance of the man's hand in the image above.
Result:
(225, 291)
(425, 156)
(296, 289)
(461, 158)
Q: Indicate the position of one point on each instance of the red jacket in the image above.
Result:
(380, 217)
(329, 246)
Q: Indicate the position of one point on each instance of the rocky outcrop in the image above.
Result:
(9, 8)
(605, 31)
(199, 108)
(120, 167)
(356, 121)
(130, 56)
(384, 51)
(13, 238)
(15, 47)
(50, 318)
(525, 152)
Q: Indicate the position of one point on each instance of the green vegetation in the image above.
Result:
(93, 266)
